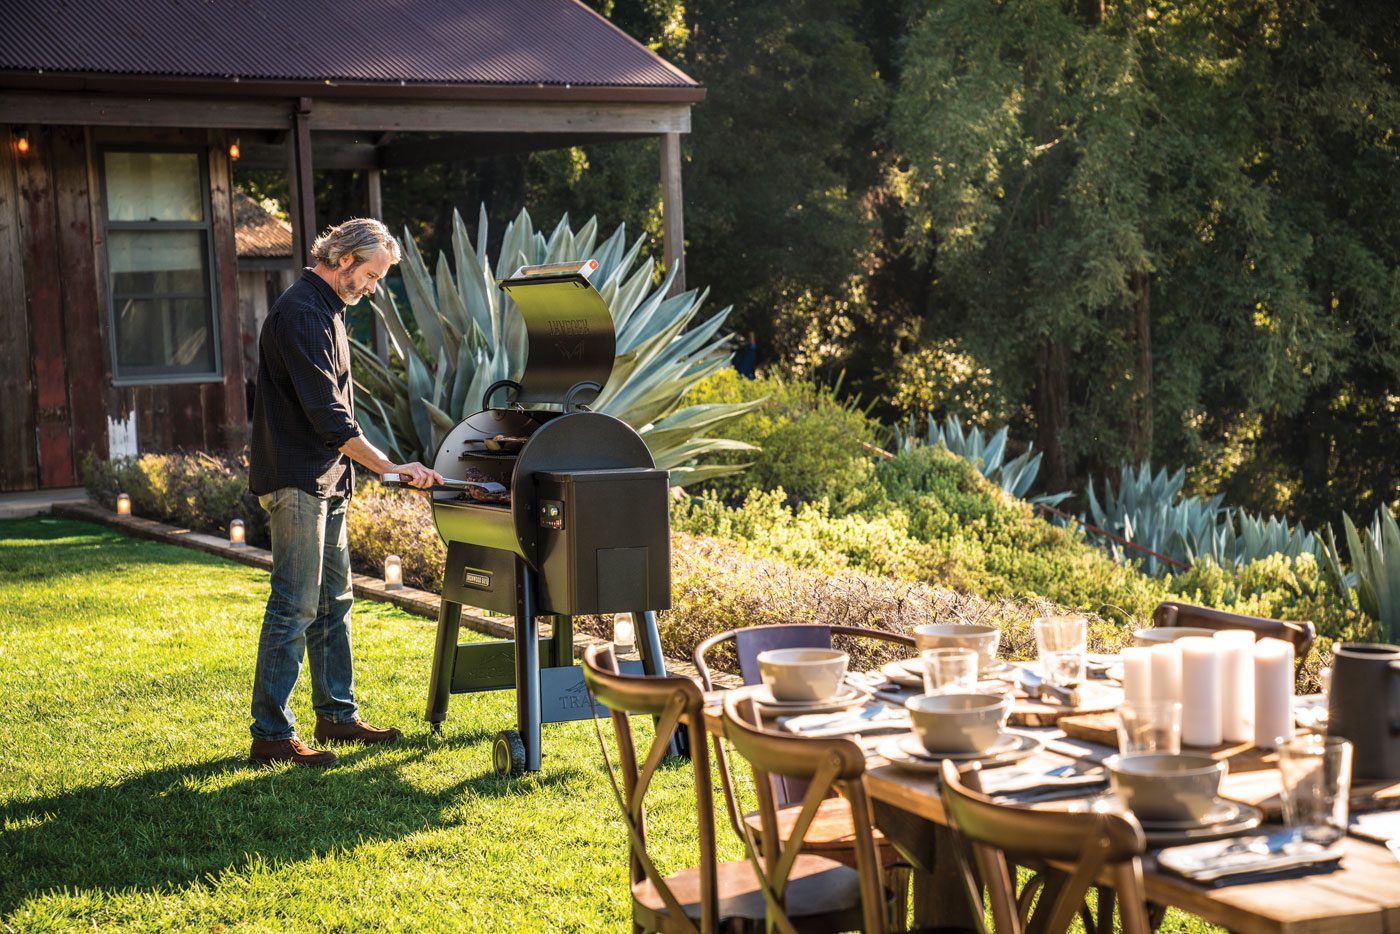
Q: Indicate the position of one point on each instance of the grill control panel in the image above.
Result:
(551, 514)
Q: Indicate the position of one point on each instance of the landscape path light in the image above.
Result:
(235, 533)
(393, 573)
(123, 504)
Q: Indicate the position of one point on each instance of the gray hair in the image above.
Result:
(360, 236)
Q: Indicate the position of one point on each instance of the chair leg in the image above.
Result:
(899, 876)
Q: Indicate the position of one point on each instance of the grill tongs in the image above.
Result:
(447, 485)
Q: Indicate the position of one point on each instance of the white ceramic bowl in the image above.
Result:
(981, 639)
(1164, 787)
(958, 723)
(802, 674)
(1156, 636)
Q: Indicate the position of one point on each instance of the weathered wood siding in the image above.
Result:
(57, 399)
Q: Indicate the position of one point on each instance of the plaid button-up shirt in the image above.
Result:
(304, 407)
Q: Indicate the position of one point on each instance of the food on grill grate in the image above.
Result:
(479, 495)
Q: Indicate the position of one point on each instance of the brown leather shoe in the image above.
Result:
(357, 731)
(289, 750)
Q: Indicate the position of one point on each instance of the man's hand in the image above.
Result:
(415, 474)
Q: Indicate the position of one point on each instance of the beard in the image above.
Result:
(345, 288)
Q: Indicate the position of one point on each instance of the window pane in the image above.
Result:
(157, 261)
(168, 337)
(154, 186)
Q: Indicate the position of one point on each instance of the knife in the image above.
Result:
(1037, 688)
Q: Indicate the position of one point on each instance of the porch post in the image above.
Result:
(672, 219)
(302, 182)
(376, 211)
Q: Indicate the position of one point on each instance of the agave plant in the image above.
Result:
(1373, 586)
(988, 455)
(470, 334)
(1149, 510)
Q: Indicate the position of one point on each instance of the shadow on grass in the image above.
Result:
(170, 827)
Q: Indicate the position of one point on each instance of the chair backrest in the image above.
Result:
(675, 702)
(826, 765)
(1091, 841)
(751, 640)
(1301, 634)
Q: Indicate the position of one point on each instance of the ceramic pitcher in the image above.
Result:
(1363, 706)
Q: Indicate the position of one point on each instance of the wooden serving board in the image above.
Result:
(1095, 700)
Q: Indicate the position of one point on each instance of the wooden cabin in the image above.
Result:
(124, 321)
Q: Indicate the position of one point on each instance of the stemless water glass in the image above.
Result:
(1062, 644)
(949, 671)
(1316, 773)
(1150, 726)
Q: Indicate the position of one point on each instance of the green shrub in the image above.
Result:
(1278, 587)
(810, 441)
(204, 492)
(383, 521)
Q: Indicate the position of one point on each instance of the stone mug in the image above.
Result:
(1363, 706)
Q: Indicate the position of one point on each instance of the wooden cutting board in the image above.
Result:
(1095, 700)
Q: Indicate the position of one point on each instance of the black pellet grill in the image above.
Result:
(586, 529)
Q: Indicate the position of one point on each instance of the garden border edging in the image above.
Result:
(418, 602)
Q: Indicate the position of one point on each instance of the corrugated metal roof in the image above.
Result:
(494, 42)
(259, 235)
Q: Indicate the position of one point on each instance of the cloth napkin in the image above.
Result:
(1380, 826)
(1255, 858)
(1037, 783)
(872, 718)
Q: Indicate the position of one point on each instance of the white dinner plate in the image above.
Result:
(1247, 818)
(848, 696)
(908, 753)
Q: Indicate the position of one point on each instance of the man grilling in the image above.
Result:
(304, 438)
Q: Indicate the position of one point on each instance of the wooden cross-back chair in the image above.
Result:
(710, 896)
(1001, 836)
(795, 898)
(1300, 633)
(830, 833)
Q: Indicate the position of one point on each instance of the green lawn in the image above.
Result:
(127, 800)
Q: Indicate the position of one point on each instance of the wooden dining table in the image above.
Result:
(1360, 897)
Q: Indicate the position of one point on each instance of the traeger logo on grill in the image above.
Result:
(474, 578)
(563, 328)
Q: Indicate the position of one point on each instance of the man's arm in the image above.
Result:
(371, 458)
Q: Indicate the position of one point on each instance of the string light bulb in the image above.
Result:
(233, 151)
(22, 142)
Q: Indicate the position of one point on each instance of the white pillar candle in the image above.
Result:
(1137, 675)
(1166, 672)
(1237, 685)
(123, 504)
(1273, 692)
(1200, 691)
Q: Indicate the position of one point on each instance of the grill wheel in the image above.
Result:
(508, 753)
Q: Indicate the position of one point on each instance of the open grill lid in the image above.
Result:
(571, 340)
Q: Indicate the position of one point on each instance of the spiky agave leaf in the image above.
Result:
(470, 335)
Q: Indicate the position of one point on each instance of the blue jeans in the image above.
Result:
(308, 613)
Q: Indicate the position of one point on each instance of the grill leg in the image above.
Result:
(527, 665)
(444, 661)
(654, 663)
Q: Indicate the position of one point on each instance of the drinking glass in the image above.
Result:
(949, 671)
(1150, 726)
(1316, 773)
(1061, 641)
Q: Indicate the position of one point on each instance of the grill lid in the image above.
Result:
(569, 331)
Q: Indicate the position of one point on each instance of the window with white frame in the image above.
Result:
(163, 321)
